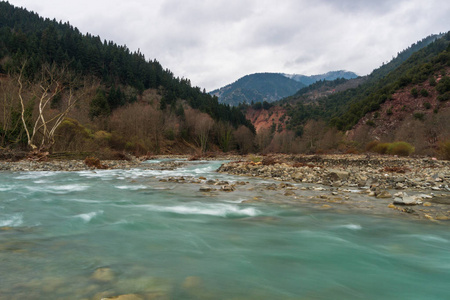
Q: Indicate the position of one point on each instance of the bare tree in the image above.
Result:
(139, 123)
(263, 138)
(312, 133)
(201, 124)
(53, 83)
(284, 142)
(224, 133)
(244, 139)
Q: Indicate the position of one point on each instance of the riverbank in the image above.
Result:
(380, 184)
(382, 172)
(383, 185)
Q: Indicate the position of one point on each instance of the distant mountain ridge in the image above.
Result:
(271, 87)
(329, 76)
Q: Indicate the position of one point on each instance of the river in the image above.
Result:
(94, 235)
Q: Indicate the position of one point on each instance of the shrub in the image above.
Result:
(389, 112)
(432, 81)
(254, 158)
(414, 93)
(427, 105)
(397, 148)
(444, 85)
(381, 148)
(419, 116)
(102, 135)
(424, 93)
(444, 97)
(169, 134)
(400, 149)
(445, 150)
(370, 123)
(371, 146)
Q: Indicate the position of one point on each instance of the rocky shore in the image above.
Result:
(418, 187)
(80, 165)
(349, 171)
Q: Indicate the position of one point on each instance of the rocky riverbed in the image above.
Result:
(417, 187)
(350, 171)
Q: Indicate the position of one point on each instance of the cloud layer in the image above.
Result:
(214, 42)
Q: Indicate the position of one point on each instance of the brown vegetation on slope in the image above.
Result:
(413, 114)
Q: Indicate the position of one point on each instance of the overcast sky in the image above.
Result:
(215, 42)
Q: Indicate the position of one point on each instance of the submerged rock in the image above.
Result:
(103, 275)
(289, 193)
(192, 282)
(383, 195)
(206, 189)
(227, 188)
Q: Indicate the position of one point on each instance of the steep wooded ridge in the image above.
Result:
(359, 96)
(29, 44)
(270, 87)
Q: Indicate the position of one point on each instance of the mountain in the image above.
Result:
(270, 87)
(257, 87)
(330, 76)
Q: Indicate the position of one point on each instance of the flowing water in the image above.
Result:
(89, 235)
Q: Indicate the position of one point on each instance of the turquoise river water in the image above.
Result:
(93, 235)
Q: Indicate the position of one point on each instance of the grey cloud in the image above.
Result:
(378, 6)
(215, 42)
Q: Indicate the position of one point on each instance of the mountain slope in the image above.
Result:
(133, 104)
(344, 109)
(257, 87)
(418, 113)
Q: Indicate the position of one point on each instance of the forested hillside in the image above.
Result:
(344, 109)
(31, 46)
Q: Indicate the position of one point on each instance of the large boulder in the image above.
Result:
(405, 199)
(335, 175)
